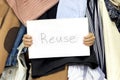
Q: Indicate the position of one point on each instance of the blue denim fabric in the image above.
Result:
(12, 58)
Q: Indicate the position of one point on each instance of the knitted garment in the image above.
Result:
(30, 9)
(114, 13)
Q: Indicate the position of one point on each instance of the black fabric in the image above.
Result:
(0, 75)
(41, 67)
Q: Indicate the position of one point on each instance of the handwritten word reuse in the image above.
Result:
(57, 39)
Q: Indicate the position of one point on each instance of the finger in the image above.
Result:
(89, 39)
(91, 42)
(89, 36)
(27, 44)
(26, 36)
(27, 40)
(88, 44)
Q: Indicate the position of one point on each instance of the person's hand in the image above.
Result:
(89, 39)
(27, 40)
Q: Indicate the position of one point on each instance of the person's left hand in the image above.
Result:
(89, 39)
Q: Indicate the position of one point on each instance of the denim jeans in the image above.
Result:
(12, 58)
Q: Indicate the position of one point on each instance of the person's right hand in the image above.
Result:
(27, 40)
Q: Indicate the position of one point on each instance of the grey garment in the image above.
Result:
(96, 27)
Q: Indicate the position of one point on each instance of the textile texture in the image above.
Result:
(112, 44)
(23, 8)
(9, 26)
(12, 58)
(114, 13)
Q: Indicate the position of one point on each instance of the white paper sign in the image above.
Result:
(58, 37)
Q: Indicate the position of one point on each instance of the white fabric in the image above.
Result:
(75, 72)
(78, 72)
(112, 44)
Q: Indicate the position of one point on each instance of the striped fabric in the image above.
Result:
(96, 27)
(30, 9)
